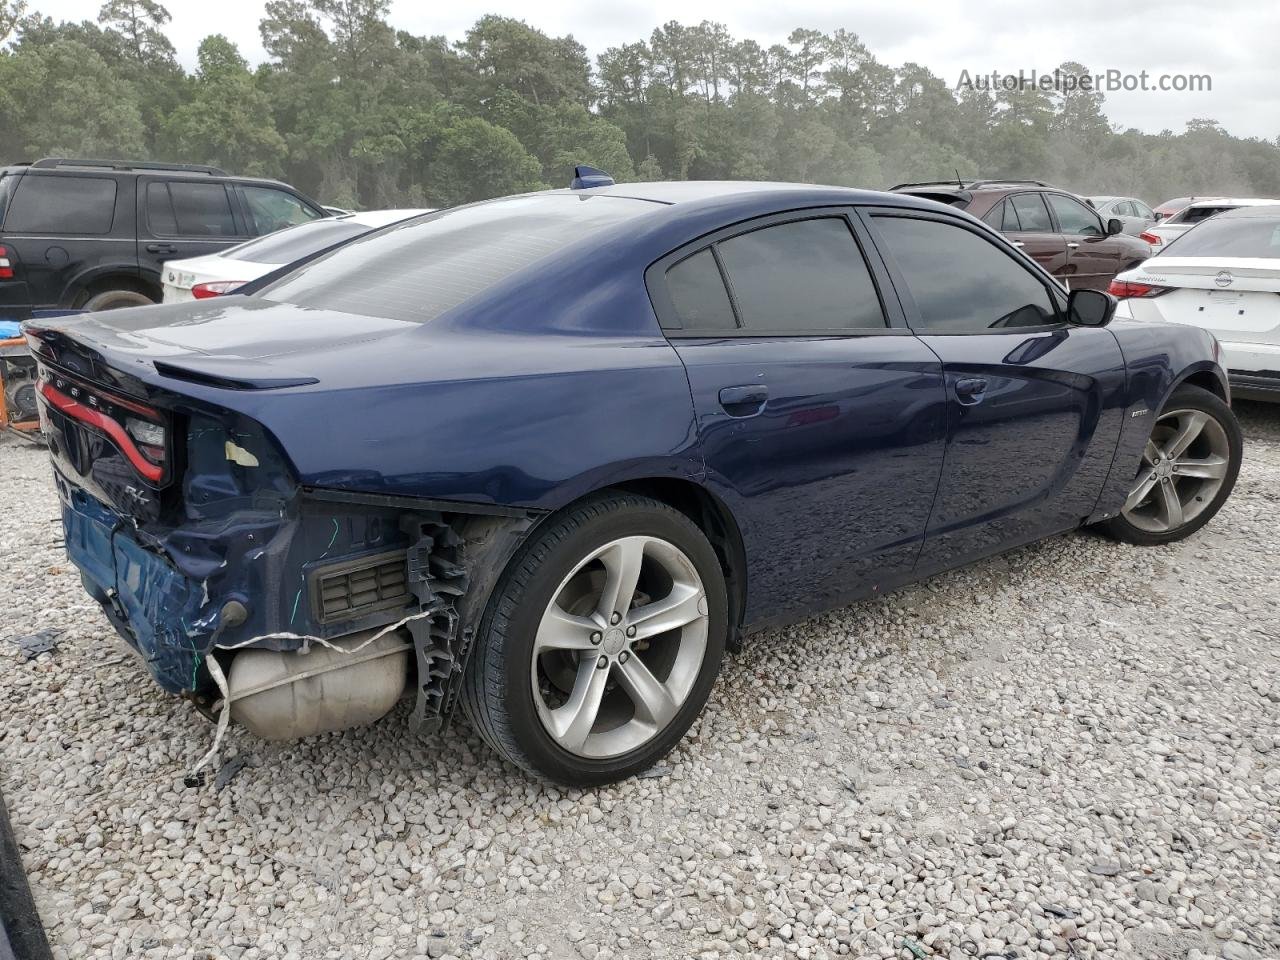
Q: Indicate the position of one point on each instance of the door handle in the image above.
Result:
(160, 248)
(971, 390)
(744, 401)
(1018, 243)
(1072, 246)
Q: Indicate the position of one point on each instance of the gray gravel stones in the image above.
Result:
(939, 773)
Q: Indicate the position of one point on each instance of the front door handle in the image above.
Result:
(1073, 246)
(971, 390)
(160, 248)
(744, 401)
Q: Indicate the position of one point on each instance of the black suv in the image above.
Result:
(93, 234)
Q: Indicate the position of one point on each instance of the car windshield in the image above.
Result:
(294, 243)
(1245, 237)
(419, 270)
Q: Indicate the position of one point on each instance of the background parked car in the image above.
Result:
(94, 234)
(1170, 207)
(1222, 275)
(197, 278)
(1132, 212)
(1055, 228)
(1195, 212)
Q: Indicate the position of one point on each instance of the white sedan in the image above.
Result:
(1197, 211)
(198, 278)
(1224, 276)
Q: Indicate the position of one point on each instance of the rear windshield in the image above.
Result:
(1196, 214)
(71, 205)
(420, 270)
(1249, 237)
(294, 243)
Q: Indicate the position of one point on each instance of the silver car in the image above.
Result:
(1132, 212)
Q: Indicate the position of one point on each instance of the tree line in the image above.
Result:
(357, 113)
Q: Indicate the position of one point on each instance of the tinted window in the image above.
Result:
(1250, 237)
(185, 209)
(271, 209)
(62, 205)
(418, 270)
(1198, 213)
(1032, 214)
(698, 294)
(1073, 216)
(802, 276)
(296, 242)
(960, 282)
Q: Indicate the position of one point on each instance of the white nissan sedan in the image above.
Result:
(1223, 275)
(198, 278)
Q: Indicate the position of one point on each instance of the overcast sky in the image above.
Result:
(1233, 41)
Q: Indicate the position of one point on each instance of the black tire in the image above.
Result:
(1190, 398)
(117, 300)
(497, 692)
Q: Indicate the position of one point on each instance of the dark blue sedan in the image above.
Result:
(550, 455)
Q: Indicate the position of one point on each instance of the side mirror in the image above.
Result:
(1090, 308)
(1114, 226)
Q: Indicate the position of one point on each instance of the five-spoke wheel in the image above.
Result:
(602, 643)
(1188, 468)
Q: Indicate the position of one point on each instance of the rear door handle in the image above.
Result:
(971, 390)
(1073, 246)
(744, 401)
(160, 248)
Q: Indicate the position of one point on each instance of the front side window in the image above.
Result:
(962, 283)
(1142, 210)
(1032, 213)
(181, 209)
(803, 276)
(1074, 217)
(62, 205)
(271, 210)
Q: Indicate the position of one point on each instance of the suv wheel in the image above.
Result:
(601, 643)
(116, 300)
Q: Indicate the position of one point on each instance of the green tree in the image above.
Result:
(471, 159)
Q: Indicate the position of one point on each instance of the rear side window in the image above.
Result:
(698, 294)
(960, 282)
(419, 270)
(180, 209)
(804, 276)
(1032, 213)
(62, 205)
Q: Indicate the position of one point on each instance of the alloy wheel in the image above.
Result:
(619, 647)
(1184, 465)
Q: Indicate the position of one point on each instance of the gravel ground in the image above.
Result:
(1070, 751)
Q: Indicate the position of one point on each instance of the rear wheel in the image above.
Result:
(117, 300)
(1188, 469)
(601, 644)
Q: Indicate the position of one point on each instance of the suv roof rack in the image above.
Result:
(993, 183)
(48, 163)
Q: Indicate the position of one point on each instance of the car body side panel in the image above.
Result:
(1158, 357)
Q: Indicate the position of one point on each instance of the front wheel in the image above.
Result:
(602, 642)
(1188, 468)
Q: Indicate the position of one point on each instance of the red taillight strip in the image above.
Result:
(113, 398)
(94, 418)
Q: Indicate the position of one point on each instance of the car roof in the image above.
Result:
(1251, 211)
(71, 169)
(1106, 199)
(689, 191)
(1234, 201)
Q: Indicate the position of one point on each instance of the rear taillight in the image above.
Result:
(1126, 289)
(6, 265)
(138, 431)
(1150, 237)
(203, 291)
